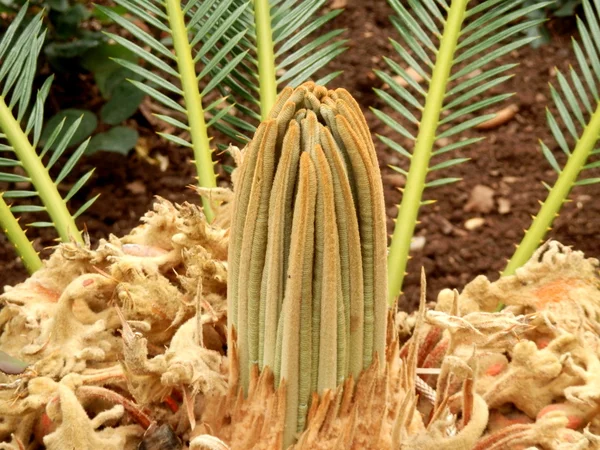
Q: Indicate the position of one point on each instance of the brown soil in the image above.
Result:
(509, 162)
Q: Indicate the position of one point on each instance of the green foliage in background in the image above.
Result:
(72, 45)
(557, 9)
(66, 38)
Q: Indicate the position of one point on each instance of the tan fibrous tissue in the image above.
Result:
(117, 337)
(536, 363)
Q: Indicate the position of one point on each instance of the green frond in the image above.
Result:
(80, 211)
(574, 127)
(63, 142)
(278, 52)
(193, 32)
(19, 53)
(448, 163)
(586, 181)
(36, 118)
(451, 49)
(19, 194)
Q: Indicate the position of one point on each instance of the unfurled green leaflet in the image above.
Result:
(307, 256)
(451, 47)
(20, 130)
(279, 54)
(240, 47)
(577, 123)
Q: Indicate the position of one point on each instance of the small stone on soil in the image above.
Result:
(442, 142)
(338, 4)
(394, 179)
(412, 73)
(503, 205)
(136, 187)
(481, 199)
(474, 223)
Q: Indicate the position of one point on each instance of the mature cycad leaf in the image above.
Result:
(279, 53)
(192, 32)
(452, 48)
(575, 128)
(18, 56)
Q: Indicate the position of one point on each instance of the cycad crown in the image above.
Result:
(307, 276)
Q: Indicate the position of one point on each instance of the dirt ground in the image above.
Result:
(508, 163)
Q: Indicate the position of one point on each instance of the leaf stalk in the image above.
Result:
(266, 57)
(557, 196)
(45, 187)
(18, 238)
(419, 167)
(193, 102)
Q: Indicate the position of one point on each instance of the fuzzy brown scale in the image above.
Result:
(307, 256)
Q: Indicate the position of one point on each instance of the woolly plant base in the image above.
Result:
(126, 347)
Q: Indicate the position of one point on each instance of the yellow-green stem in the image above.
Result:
(193, 102)
(45, 187)
(17, 237)
(266, 57)
(415, 182)
(549, 210)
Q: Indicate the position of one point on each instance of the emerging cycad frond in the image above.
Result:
(575, 129)
(18, 54)
(307, 276)
(450, 48)
(280, 53)
(195, 32)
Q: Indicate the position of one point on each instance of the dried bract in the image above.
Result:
(141, 321)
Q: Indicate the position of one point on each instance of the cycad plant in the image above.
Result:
(305, 278)
(21, 120)
(452, 47)
(224, 49)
